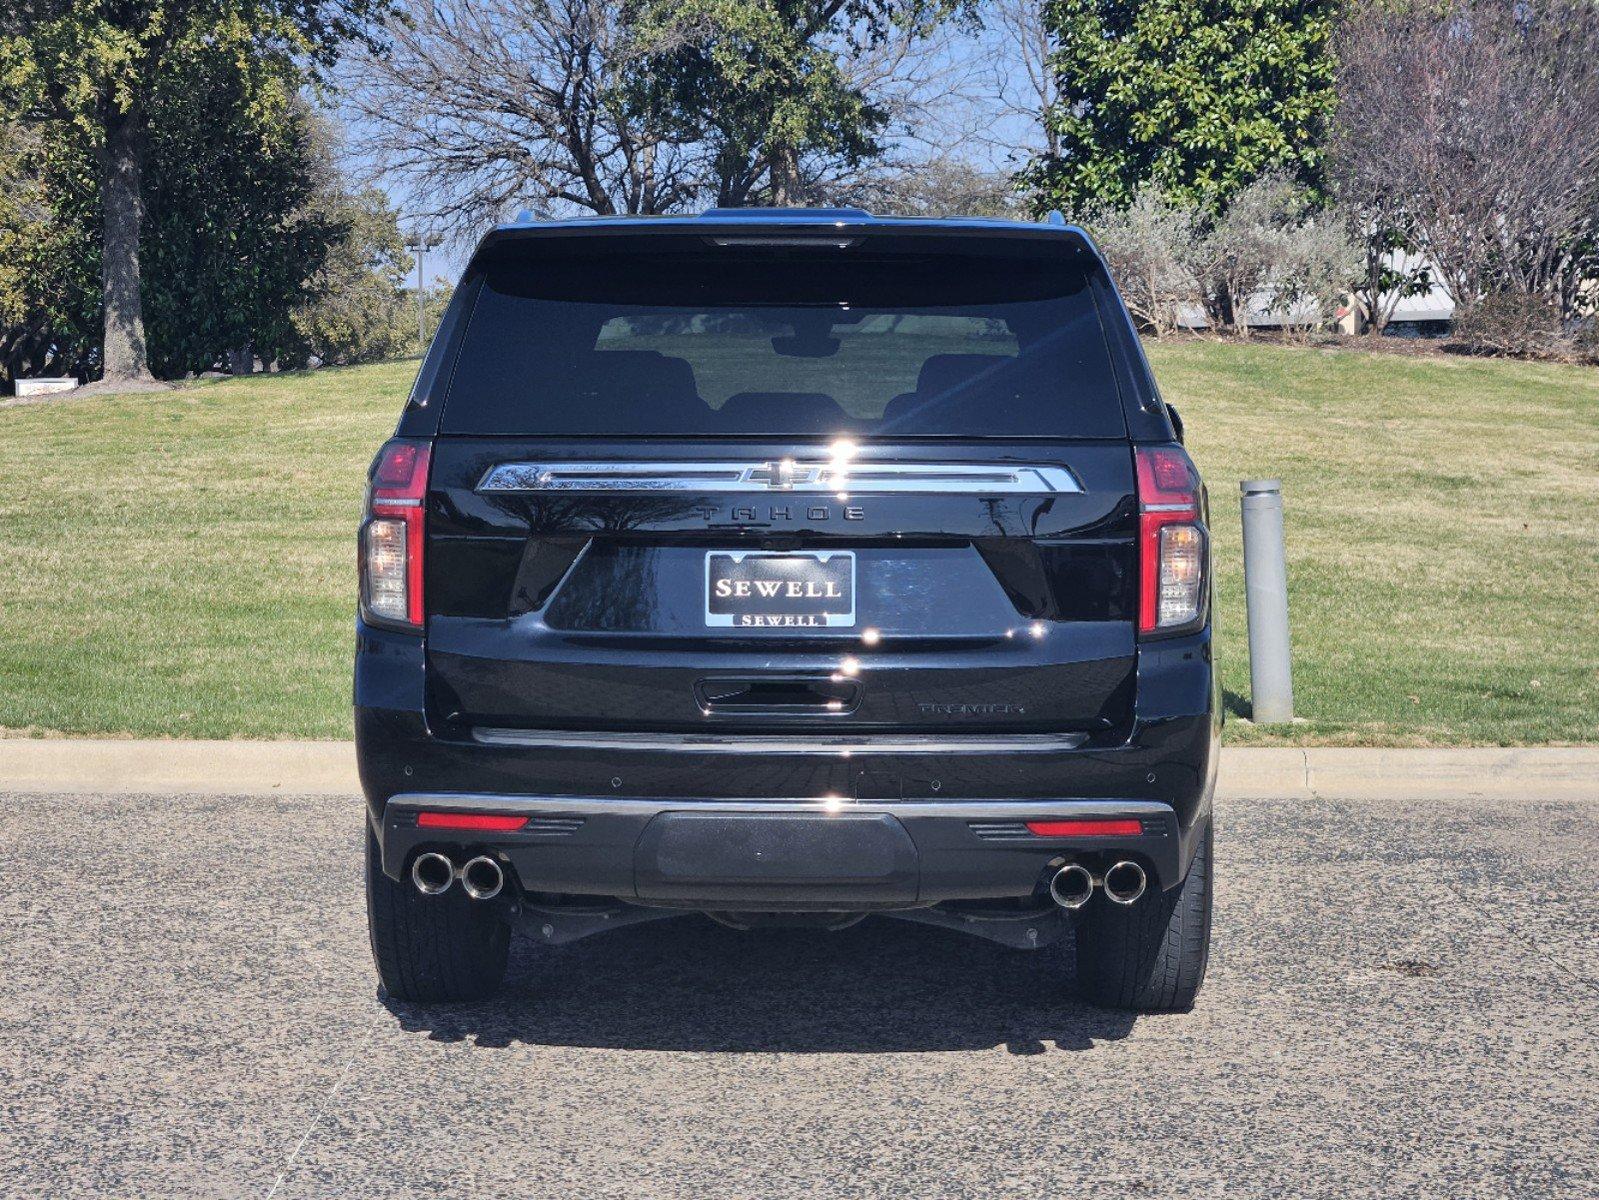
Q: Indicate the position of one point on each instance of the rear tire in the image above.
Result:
(432, 949)
(1149, 956)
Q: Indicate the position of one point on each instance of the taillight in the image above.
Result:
(392, 536)
(1171, 540)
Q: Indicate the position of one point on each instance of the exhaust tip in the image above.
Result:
(1125, 882)
(482, 878)
(1072, 886)
(432, 873)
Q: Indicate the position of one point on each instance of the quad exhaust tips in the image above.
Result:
(481, 878)
(1073, 885)
(432, 873)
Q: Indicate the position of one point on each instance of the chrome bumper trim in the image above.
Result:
(640, 806)
(832, 745)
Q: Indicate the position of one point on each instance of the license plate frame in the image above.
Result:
(783, 610)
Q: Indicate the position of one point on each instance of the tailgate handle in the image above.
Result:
(778, 695)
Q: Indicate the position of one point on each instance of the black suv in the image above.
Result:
(787, 566)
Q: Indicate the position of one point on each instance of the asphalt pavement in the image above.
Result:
(1403, 1001)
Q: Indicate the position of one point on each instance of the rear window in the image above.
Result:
(785, 343)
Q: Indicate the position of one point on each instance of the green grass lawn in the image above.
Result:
(183, 564)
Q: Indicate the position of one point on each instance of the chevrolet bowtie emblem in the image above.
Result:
(781, 475)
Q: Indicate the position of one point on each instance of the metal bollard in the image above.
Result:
(1271, 677)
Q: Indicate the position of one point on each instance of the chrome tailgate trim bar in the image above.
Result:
(783, 475)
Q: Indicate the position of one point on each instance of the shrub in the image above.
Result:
(1513, 323)
(1319, 260)
(1268, 254)
(1149, 244)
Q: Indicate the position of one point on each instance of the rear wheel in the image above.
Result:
(432, 949)
(1149, 956)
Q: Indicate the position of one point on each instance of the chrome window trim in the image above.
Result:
(783, 475)
(828, 744)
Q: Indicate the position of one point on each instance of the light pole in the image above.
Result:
(420, 244)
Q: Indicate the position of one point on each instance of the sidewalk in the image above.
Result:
(328, 768)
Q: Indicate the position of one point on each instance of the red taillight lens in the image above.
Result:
(483, 822)
(1171, 540)
(1087, 828)
(1166, 476)
(396, 465)
(392, 542)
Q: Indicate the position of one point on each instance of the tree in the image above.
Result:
(234, 230)
(358, 311)
(1391, 269)
(95, 65)
(1023, 85)
(633, 106)
(786, 96)
(47, 289)
(1198, 99)
(937, 188)
(244, 207)
(1488, 147)
(485, 105)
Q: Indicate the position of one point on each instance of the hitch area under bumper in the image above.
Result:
(1029, 927)
(580, 865)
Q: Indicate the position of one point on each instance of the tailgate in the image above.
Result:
(961, 587)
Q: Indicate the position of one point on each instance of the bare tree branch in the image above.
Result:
(483, 105)
(1477, 123)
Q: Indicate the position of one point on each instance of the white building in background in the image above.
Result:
(1428, 312)
(1432, 309)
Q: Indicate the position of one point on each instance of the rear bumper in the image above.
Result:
(774, 854)
(645, 813)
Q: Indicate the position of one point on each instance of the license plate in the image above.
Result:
(778, 589)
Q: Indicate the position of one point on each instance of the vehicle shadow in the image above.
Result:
(691, 985)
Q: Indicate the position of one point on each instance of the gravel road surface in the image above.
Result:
(1403, 1001)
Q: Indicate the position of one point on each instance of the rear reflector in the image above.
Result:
(488, 822)
(1123, 828)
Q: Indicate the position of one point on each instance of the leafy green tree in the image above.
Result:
(48, 284)
(359, 311)
(96, 65)
(234, 232)
(1198, 97)
(236, 182)
(779, 91)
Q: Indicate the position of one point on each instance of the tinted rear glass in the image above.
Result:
(785, 343)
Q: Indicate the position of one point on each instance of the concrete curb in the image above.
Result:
(1528, 773)
(328, 768)
(175, 768)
